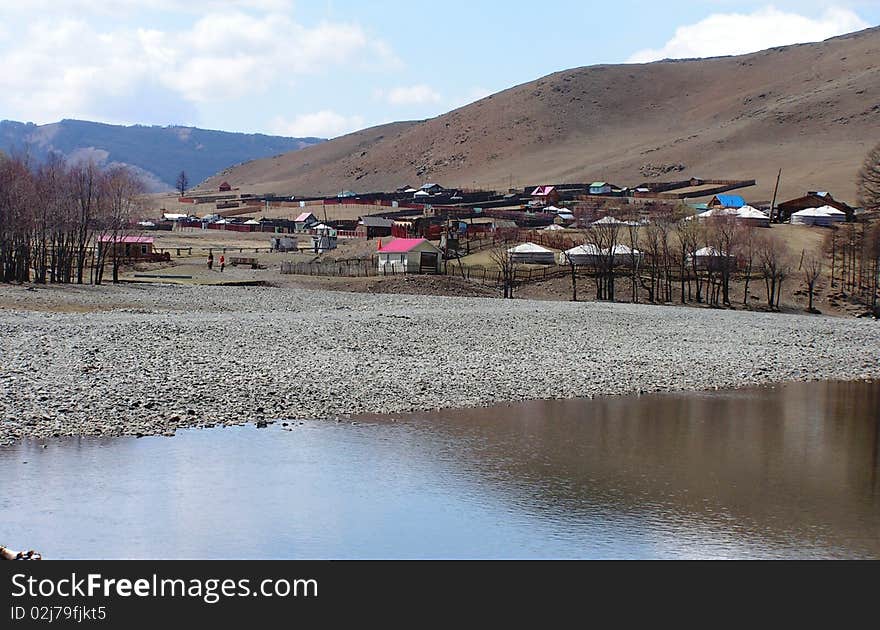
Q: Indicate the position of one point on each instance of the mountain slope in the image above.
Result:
(811, 109)
(160, 153)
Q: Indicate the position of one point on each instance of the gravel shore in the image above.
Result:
(148, 360)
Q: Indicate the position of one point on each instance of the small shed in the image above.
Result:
(564, 218)
(532, 254)
(324, 238)
(409, 255)
(305, 222)
(545, 195)
(600, 188)
(225, 187)
(432, 189)
(285, 244)
(131, 247)
(374, 227)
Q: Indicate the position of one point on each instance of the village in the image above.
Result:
(654, 243)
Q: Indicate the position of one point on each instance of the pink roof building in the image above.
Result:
(544, 191)
(409, 255)
(402, 245)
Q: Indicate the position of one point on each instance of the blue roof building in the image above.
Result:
(727, 201)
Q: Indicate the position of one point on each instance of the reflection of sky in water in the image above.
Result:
(790, 472)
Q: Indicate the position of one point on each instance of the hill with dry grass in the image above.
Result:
(811, 109)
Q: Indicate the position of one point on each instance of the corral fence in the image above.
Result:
(355, 268)
(493, 275)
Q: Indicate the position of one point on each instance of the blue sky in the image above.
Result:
(329, 67)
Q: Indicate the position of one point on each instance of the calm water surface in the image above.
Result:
(787, 472)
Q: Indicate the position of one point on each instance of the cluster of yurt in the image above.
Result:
(744, 214)
(609, 220)
(591, 255)
(824, 216)
(532, 254)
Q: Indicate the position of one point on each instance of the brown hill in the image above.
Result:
(811, 109)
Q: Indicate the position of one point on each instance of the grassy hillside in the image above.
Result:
(812, 110)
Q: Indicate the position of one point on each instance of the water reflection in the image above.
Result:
(784, 472)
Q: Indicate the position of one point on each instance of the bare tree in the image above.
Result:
(690, 235)
(507, 268)
(182, 183)
(634, 258)
(723, 234)
(573, 268)
(812, 271)
(606, 238)
(873, 251)
(121, 191)
(50, 216)
(87, 189)
(775, 267)
(747, 241)
(869, 180)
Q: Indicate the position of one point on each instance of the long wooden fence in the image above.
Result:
(492, 275)
(355, 268)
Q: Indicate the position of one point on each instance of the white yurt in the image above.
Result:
(746, 214)
(824, 216)
(609, 220)
(553, 228)
(624, 255)
(710, 258)
(581, 255)
(753, 216)
(532, 254)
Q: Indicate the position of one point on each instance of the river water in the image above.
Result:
(784, 472)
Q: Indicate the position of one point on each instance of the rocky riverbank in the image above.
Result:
(147, 360)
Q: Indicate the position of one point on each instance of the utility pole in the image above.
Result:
(775, 193)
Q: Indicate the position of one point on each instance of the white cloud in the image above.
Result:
(411, 95)
(736, 33)
(66, 67)
(323, 124)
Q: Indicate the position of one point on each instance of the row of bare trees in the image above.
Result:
(854, 251)
(52, 216)
(661, 263)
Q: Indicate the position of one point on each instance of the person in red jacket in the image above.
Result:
(222, 263)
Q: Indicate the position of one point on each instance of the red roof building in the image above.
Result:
(409, 255)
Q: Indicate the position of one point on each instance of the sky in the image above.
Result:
(328, 67)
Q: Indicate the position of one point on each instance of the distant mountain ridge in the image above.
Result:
(158, 153)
